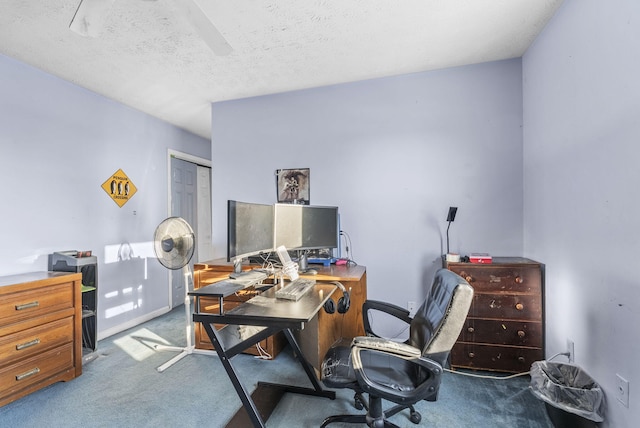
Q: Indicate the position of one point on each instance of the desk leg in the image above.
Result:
(317, 390)
(247, 402)
(308, 368)
(277, 390)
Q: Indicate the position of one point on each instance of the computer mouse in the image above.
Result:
(311, 272)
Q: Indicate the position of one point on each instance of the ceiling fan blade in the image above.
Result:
(90, 17)
(203, 25)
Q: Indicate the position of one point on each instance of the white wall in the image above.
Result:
(393, 154)
(581, 135)
(59, 143)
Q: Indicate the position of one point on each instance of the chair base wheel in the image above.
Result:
(375, 416)
(357, 403)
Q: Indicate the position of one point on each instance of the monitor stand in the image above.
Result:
(303, 262)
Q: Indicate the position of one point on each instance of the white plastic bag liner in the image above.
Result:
(568, 387)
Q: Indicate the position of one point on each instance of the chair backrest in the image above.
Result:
(438, 322)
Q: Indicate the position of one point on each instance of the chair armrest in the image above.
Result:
(384, 345)
(426, 389)
(388, 308)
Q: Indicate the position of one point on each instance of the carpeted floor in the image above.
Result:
(122, 388)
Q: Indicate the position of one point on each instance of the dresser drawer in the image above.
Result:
(493, 357)
(505, 306)
(34, 340)
(36, 369)
(516, 333)
(22, 305)
(508, 279)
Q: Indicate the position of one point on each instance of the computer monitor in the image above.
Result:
(249, 230)
(306, 227)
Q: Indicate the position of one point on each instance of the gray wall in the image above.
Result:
(393, 154)
(59, 144)
(581, 135)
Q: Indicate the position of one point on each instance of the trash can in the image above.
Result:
(572, 397)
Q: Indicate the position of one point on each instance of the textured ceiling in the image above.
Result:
(150, 56)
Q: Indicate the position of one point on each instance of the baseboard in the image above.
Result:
(132, 323)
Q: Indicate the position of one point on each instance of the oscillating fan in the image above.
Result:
(174, 244)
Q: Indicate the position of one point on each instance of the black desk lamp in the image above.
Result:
(450, 217)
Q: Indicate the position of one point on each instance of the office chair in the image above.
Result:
(403, 373)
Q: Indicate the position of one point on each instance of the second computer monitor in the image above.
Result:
(249, 229)
(306, 227)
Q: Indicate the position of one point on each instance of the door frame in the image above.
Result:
(185, 157)
(171, 153)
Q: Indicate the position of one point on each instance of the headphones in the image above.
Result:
(343, 302)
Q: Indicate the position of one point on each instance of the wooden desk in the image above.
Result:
(320, 332)
(325, 329)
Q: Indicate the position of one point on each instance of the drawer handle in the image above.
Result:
(470, 329)
(521, 359)
(25, 375)
(519, 280)
(29, 344)
(519, 306)
(521, 334)
(27, 306)
(468, 278)
(471, 355)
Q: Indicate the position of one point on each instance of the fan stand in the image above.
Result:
(190, 348)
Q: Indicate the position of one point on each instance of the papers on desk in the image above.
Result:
(250, 277)
(225, 287)
(229, 286)
(243, 280)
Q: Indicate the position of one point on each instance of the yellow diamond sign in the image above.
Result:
(119, 188)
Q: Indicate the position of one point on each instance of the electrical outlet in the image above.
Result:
(571, 355)
(411, 307)
(623, 390)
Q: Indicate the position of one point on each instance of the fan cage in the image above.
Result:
(179, 236)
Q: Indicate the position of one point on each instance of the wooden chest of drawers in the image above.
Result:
(40, 331)
(504, 330)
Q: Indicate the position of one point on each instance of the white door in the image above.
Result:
(183, 204)
(204, 225)
(190, 198)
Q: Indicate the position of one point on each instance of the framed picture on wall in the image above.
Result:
(293, 186)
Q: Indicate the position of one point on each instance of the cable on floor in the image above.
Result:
(566, 354)
(487, 376)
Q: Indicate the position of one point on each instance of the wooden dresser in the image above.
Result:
(504, 330)
(319, 334)
(40, 331)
